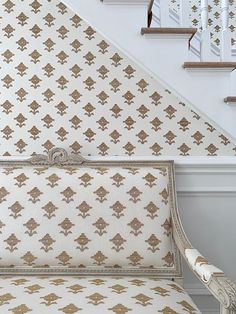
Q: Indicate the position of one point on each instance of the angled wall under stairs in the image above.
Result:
(62, 84)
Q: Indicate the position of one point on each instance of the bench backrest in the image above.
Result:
(94, 217)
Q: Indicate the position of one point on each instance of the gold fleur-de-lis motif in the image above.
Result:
(47, 242)
(152, 210)
(7, 80)
(150, 178)
(156, 124)
(47, 121)
(76, 45)
(143, 299)
(70, 309)
(62, 82)
(99, 258)
(184, 149)
(89, 57)
(136, 225)
(66, 225)
(97, 282)
(134, 193)
(48, 68)
(176, 288)
(167, 310)
(101, 193)
(184, 123)
(170, 110)
(117, 178)
(161, 291)
(62, 32)
(129, 71)
(68, 194)
(118, 241)
(135, 259)
(29, 259)
(115, 84)
(50, 299)
(62, 8)
(120, 309)
(143, 111)
(49, 44)
(31, 225)
(103, 47)
(7, 131)
(8, 56)
(35, 55)
(76, 21)
(102, 123)
(153, 241)
(84, 209)
(35, 6)
(22, 18)
(62, 57)
(34, 131)
(212, 149)
(20, 180)
(102, 98)
(21, 309)
(12, 242)
(64, 259)
(142, 84)
(33, 289)
(89, 108)
(115, 135)
(167, 225)
(128, 96)
(61, 108)
(49, 20)
(20, 119)
(8, 31)
(165, 195)
(103, 71)
(96, 298)
(170, 136)
(155, 97)
(49, 208)
(9, 5)
(118, 289)
(7, 107)
(20, 147)
(90, 33)
(101, 225)
(75, 288)
(82, 240)
(53, 179)
(34, 193)
(129, 147)
(169, 259)
(86, 179)
(118, 209)
(116, 58)
(3, 194)
(5, 298)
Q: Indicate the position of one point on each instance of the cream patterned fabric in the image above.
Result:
(200, 265)
(62, 84)
(87, 218)
(88, 295)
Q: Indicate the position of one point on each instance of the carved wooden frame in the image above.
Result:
(219, 285)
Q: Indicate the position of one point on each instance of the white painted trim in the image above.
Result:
(196, 289)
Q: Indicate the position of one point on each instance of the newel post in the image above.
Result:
(205, 35)
(225, 48)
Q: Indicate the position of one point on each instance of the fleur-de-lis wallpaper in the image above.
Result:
(62, 84)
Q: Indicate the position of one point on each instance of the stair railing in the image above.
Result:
(205, 37)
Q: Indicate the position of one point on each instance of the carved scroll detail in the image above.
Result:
(227, 293)
(57, 156)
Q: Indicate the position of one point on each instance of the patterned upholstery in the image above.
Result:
(88, 295)
(86, 218)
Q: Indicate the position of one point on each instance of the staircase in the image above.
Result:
(209, 87)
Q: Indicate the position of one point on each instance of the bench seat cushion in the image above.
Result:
(88, 295)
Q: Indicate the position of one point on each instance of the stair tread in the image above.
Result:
(168, 30)
(209, 65)
(230, 99)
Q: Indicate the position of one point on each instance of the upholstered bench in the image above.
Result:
(81, 236)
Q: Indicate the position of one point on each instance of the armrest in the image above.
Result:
(212, 277)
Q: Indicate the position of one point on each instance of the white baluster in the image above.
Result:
(205, 35)
(184, 13)
(225, 51)
(164, 13)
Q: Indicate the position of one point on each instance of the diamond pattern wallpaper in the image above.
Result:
(62, 84)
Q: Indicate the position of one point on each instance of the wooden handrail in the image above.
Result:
(149, 13)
